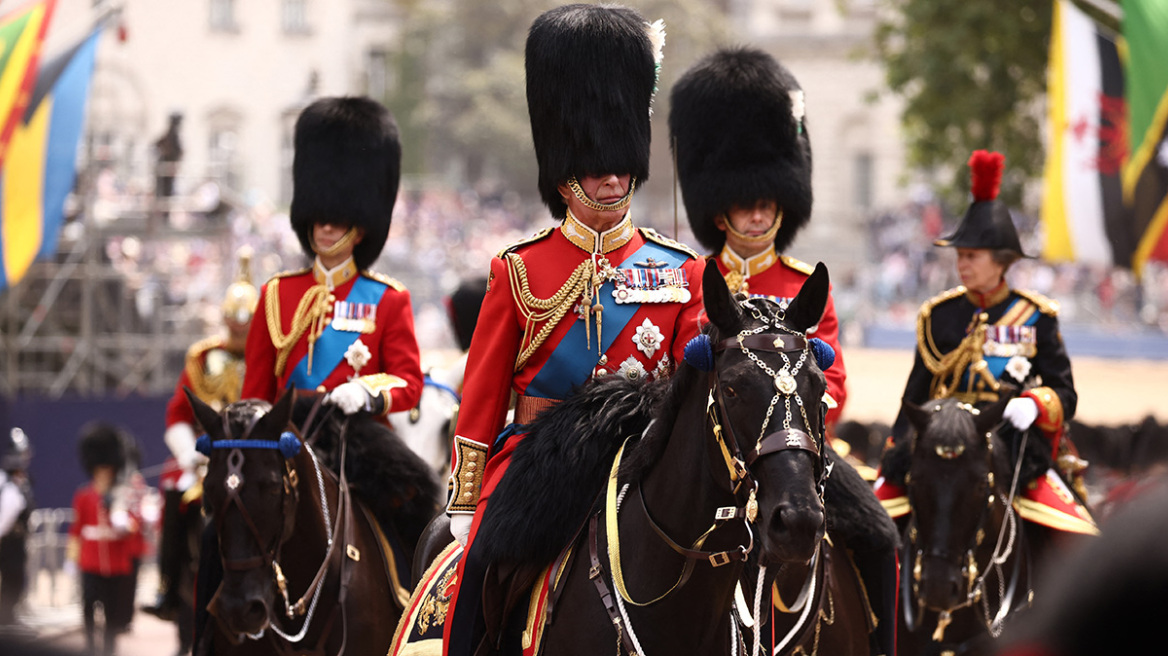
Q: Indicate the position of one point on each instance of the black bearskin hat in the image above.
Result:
(346, 169)
(738, 134)
(463, 306)
(987, 222)
(101, 443)
(591, 73)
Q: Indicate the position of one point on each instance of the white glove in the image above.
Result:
(180, 438)
(350, 397)
(460, 527)
(1021, 412)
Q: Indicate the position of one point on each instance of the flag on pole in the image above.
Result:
(21, 34)
(41, 166)
(1145, 177)
(1083, 215)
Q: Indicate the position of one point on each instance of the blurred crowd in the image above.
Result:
(904, 269)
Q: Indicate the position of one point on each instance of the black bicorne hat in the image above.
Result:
(591, 73)
(987, 222)
(346, 170)
(739, 136)
(101, 444)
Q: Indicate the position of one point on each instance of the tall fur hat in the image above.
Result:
(346, 170)
(739, 136)
(591, 73)
(987, 222)
(101, 443)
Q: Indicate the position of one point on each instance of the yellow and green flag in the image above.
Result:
(21, 34)
(1145, 177)
(40, 169)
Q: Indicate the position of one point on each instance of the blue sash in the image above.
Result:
(572, 361)
(330, 348)
(997, 363)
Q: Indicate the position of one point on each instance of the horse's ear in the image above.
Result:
(277, 419)
(991, 415)
(806, 309)
(721, 307)
(917, 416)
(208, 418)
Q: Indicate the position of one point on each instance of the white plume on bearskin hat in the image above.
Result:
(739, 136)
(101, 444)
(591, 74)
(346, 170)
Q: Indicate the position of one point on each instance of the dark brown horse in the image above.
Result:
(306, 569)
(967, 562)
(732, 462)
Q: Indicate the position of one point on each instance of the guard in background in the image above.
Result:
(590, 297)
(739, 134)
(214, 373)
(977, 339)
(16, 505)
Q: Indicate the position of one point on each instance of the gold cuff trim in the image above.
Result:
(1050, 408)
(467, 479)
(896, 508)
(381, 385)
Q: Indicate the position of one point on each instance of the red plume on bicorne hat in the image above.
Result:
(987, 222)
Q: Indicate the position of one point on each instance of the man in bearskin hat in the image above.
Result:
(16, 505)
(983, 339)
(214, 373)
(337, 328)
(743, 153)
(589, 297)
(104, 535)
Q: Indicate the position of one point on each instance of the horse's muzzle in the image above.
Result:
(792, 532)
(239, 614)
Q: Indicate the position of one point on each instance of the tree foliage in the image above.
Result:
(973, 76)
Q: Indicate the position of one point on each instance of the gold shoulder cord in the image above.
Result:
(310, 316)
(548, 310)
(947, 368)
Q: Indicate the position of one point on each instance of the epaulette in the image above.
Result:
(203, 345)
(1045, 305)
(381, 277)
(293, 272)
(654, 236)
(798, 265)
(927, 306)
(530, 239)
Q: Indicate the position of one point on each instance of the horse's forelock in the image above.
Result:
(242, 415)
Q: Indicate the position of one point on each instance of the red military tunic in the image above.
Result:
(539, 336)
(105, 550)
(310, 329)
(780, 277)
(637, 338)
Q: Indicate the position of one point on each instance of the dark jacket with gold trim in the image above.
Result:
(966, 350)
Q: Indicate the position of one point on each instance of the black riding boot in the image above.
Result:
(170, 551)
(879, 572)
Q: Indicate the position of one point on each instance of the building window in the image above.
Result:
(222, 157)
(377, 74)
(222, 16)
(295, 16)
(862, 180)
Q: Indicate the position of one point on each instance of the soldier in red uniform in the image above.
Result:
(214, 373)
(102, 538)
(743, 153)
(974, 338)
(592, 296)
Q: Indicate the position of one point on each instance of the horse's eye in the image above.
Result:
(729, 391)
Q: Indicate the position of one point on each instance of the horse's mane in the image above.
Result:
(558, 469)
(1035, 460)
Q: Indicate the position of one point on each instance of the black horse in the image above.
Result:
(306, 567)
(724, 458)
(968, 561)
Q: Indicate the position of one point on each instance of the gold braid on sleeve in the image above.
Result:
(546, 310)
(948, 368)
(311, 316)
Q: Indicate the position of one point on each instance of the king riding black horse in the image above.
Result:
(968, 562)
(307, 569)
(725, 458)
